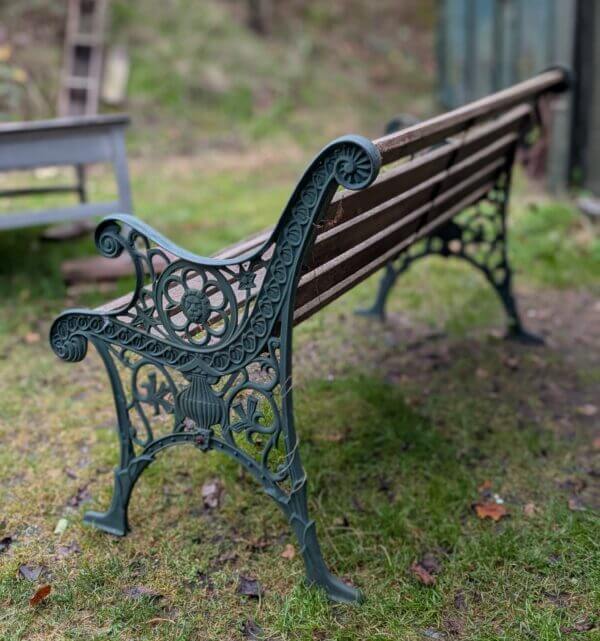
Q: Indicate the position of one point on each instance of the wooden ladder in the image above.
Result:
(82, 68)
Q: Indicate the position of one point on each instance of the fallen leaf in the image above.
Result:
(32, 337)
(422, 575)
(460, 603)
(66, 550)
(530, 509)
(481, 373)
(61, 526)
(583, 625)
(289, 552)
(575, 504)
(454, 627)
(5, 543)
(79, 497)
(596, 443)
(31, 572)
(249, 587)
(489, 510)
(211, 493)
(40, 594)
(138, 592)
(251, 630)
(587, 410)
(485, 486)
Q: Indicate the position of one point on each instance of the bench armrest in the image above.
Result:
(109, 245)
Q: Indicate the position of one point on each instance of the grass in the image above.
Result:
(400, 426)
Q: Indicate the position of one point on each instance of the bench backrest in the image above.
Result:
(430, 172)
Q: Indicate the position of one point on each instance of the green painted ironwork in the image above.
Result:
(201, 353)
(184, 348)
(477, 236)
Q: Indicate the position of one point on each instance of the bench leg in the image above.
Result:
(295, 508)
(477, 236)
(114, 520)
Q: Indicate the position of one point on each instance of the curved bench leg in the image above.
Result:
(377, 310)
(477, 236)
(114, 520)
(317, 572)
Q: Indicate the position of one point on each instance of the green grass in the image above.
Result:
(397, 434)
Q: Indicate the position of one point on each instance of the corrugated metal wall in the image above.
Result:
(486, 45)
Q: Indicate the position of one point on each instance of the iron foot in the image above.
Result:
(524, 337)
(371, 312)
(114, 521)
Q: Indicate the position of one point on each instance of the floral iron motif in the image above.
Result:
(206, 347)
(477, 236)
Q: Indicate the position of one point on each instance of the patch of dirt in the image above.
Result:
(402, 351)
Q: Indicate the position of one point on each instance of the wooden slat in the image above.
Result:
(317, 302)
(427, 133)
(390, 183)
(325, 276)
(346, 234)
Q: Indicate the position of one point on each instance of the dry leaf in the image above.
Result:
(249, 587)
(289, 552)
(31, 572)
(575, 504)
(596, 443)
(530, 509)
(40, 594)
(486, 485)
(422, 575)
(5, 543)
(489, 510)
(583, 625)
(587, 410)
(32, 337)
(138, 592)
(251, 630)
(211, 493)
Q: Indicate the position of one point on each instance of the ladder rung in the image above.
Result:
(78, 82)
(85, 39)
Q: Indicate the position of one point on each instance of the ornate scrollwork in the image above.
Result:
(478, 236)
(207, 345)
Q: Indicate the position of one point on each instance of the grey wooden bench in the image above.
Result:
(207, 342)
(75, 142)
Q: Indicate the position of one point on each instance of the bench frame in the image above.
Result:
(227, 385)
(221, 382)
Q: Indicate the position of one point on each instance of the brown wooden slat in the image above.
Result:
(427, 133)
(390, 183)
(314, 304)
(345, 235)
(325, 276)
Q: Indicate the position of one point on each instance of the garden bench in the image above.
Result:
(72, 141)
(201, 351)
